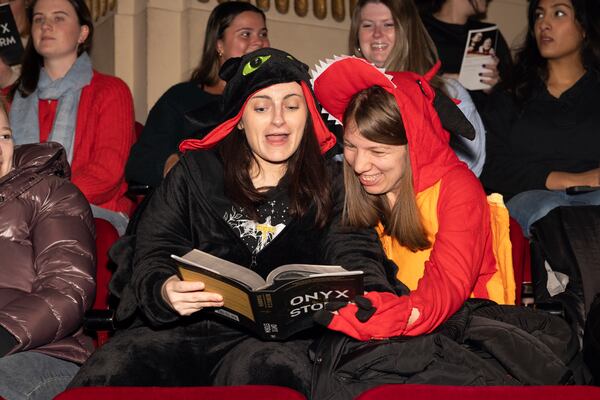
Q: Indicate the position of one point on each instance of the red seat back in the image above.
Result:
(259, 392)
(435, 392)
(521, 257)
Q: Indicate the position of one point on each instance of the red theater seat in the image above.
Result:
(262, 392)
(106, 235)
(434, 392)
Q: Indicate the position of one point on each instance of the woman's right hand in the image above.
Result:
(188, 297)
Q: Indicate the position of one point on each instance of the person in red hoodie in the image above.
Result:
(429, 209)
(61, 98)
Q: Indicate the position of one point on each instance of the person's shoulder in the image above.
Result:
(108, 85)
(184, 88)
(461, 184)
(202, 162)
(99, 78)
(186, 96)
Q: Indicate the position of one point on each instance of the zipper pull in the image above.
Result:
(253, 262)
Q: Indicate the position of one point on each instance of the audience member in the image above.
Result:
(401, 177)
(46, 272)
(448, 22)
(389, 34)
(234, 28)
(544, 125)
(267, 169)
(61, 98)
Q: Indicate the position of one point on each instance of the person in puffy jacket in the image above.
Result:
(46, 269)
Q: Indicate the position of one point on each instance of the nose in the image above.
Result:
(543, 23)
(278, 117)
(361, 162)
(258, 42)
(377, 31)
(46, 25)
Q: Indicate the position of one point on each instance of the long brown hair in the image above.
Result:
(33, 61)
(207, 72)
(377, 118)
(307, 178)
(413, 49)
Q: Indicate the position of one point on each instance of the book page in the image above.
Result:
(479, 49)
(299, 271)
(201, 259)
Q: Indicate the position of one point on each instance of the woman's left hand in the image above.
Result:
(375, 315)
(491, 75)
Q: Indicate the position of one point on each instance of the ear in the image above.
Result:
(220, 47)
(83, 34)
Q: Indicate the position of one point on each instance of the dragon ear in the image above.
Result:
(434, 70)
(229, 69)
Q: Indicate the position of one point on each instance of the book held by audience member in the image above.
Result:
(479, 51)
(275, 307)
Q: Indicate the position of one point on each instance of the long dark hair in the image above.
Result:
(306, 176)
(377, 117)
(207, 72)
(530, 65)
(33, 61)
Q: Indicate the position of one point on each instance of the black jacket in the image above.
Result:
(482, 344)
(183, 214)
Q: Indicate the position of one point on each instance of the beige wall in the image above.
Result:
(157, 43)
(511, 17)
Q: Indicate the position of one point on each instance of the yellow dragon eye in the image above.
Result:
(254, 64)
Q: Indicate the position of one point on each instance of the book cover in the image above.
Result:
(479, 50)
(278, 306)
(11, 47)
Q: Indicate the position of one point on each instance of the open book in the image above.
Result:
(479, 50)
(278, 306)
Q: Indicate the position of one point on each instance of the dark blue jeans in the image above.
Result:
(34, 376)
(530, 206)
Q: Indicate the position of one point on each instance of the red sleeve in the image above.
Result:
(110, 125)
(458, 252)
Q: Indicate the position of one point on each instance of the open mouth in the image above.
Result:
(370, 180)
(277, 139)
(379, 46)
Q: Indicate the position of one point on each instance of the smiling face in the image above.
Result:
(376, 33)
(273, 121)
(379, 167)
(557, 32)
(56, 31)
(246, 33)
(6, 145)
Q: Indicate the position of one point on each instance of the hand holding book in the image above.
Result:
(188, 297)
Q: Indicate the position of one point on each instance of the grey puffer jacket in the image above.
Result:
(47, 248)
